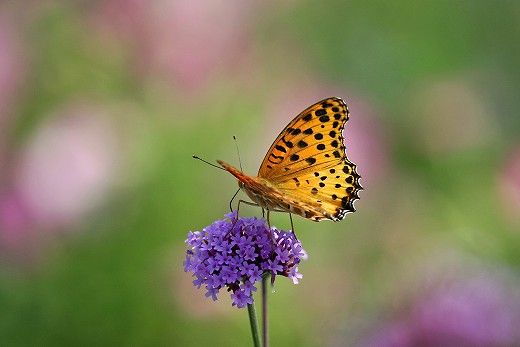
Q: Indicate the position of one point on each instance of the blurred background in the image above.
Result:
(102, 104)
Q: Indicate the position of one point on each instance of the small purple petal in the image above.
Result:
(295, 275)
(240, 299)
(212, 292)
(274, 266)
(283, 255)
(250, 253)
(255, 275)
(248, 288)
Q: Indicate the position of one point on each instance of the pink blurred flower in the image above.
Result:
(184, 41)
(62, 174)
(476, 311)
(509, 184)
(368, 144)
(68, 165)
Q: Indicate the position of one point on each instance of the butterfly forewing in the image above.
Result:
(308, 163)
(315, 131)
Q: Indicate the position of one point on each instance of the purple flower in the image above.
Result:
(235, 253)
(212, 291)
(240, 299)
(480, 311)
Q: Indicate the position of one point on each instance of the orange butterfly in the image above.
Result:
(306, 171)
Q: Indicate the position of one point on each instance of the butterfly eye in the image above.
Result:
(240, 184)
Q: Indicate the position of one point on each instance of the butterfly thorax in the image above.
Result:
(256, 191)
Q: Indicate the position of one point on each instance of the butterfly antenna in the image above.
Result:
(238, 153)
(207, 162)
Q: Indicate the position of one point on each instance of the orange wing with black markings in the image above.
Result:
(306, 171)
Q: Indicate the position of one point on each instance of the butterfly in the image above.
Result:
(306, 171)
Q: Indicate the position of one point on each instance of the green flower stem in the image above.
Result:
(254, 324)
(265, 323)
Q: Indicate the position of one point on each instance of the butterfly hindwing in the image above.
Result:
(330, 190)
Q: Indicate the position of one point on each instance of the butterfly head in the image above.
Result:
(241, 177)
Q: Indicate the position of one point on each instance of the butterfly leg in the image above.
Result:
(292, 226)
(245, 202)
(238, 209)
(269, 225)
(290, 217)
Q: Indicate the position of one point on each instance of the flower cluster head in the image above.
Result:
(237, 252)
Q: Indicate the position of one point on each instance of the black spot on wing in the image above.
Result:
(320, 112)
(302, 144)
(275, 159)
(287, 143)
(281, 148)
(324, 119)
